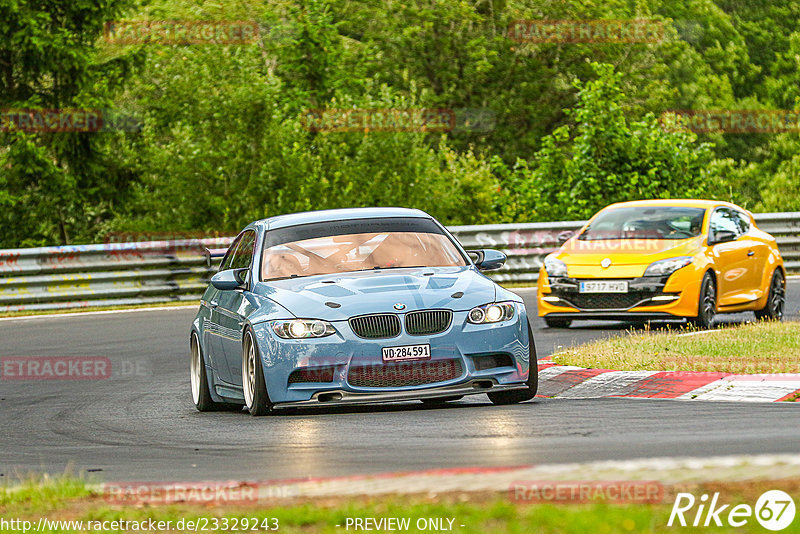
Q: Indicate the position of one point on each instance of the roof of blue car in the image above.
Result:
(293, 219)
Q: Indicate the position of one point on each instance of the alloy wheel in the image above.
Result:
(709, 302)
(777, 299)
(195, 374)
(249, 371)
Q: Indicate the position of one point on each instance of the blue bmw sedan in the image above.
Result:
(356, 306)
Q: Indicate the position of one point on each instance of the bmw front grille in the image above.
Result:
(377, 326)
(428, 322)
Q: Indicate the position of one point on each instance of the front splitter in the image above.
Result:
(344, 398)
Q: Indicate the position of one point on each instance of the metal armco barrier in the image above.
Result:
(105, 275)
(163, 271)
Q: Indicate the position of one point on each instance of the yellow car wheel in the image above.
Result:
(707, 306)
(773, 310)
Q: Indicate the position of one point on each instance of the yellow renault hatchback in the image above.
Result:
(664, 259)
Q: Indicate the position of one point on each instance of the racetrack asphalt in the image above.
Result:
(142, 426)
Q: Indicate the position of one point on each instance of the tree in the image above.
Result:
(605, 157)
(56, 185)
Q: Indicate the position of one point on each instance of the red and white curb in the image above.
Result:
(563, 381)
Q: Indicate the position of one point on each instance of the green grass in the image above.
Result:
(763, 347)
(71, 499)
(33, 494)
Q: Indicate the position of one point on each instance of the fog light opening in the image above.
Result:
(329, 397)
(482, 384)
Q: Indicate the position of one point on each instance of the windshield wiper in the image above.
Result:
(290, 277)
(376, 268)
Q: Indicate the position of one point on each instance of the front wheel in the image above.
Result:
(776, 300)
(201, 394)
(521, 395)
(253, 384)
(707, 305)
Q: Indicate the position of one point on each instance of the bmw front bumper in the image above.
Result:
(462, 341)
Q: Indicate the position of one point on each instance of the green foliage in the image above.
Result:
(783, 191)
(606, 157)
(56, 185)
(576, 124)
(213, 157)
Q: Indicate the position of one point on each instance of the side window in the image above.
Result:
(725, 220)
(744, 222)
(243, 255)
(228, 259)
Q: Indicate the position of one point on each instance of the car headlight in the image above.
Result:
(665, 267)
(302, 328)
(491, 313)
(555, 267)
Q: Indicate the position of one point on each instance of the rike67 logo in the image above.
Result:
(774, 510)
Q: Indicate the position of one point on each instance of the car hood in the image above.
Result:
(376, 291)
(625, 251)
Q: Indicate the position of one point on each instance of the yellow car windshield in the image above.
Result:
(646, 223)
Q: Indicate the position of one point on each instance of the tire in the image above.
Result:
(776, 300)
(201, 395)
(707, 303)
(438, 401)
(553, 322)
(254, 387)
(521, 395)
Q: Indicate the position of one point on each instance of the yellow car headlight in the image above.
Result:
(554, 267)
(665, 267)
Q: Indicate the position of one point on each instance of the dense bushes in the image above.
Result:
(223, 141)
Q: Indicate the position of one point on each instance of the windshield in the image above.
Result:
(358, 245)
(645, 223)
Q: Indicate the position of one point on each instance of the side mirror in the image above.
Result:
(721, 236)
(564, 236)
(487, 259)
(230, 279)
